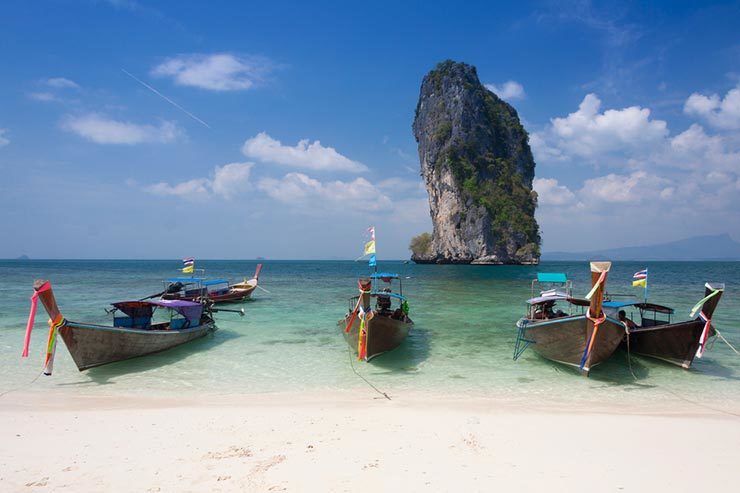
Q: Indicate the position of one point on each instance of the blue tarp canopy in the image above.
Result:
(188, 309)
(215, 281)
(639, 304)
(377, 275)
(185, 279)
(551, 277)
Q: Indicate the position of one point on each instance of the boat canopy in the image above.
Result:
(384, 275)
(140, 309)
(557, 296)
(551, 277)
(215, 281)
(640, 305)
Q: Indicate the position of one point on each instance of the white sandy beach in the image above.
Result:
(352, 441)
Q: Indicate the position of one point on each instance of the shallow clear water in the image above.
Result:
(462, 342)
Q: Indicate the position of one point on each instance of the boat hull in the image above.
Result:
(674, 343)
(564, 340)
(97, 345)
(383, 334)
(233, 295)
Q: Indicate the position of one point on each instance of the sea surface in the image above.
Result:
(462, 343)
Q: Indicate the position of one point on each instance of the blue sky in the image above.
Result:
(305, 110)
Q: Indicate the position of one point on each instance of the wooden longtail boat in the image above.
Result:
(215, 290)
(132, 334)
(657, 337)
(373, 330)
(581, 340)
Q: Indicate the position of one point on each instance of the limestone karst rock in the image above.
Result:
(478, 170)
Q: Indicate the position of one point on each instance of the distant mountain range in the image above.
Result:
(719, 247)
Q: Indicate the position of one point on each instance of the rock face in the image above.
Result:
(478, 169)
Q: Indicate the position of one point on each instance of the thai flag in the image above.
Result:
(188, 261)
(640, 275)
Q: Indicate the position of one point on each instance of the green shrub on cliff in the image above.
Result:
(421, 245)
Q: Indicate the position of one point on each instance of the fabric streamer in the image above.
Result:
(32, 318)
(598, 282)
(704, 334)
(589, 345)
(701, 302)
(362, 337)
(51, 344)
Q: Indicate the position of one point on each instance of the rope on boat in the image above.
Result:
(352, 364)
(629, 354)
(23, 386)
(726, 341)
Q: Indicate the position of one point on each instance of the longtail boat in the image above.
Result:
(215, 290)
(573, 338)
(132, 334)
(652, 333)
(373, 330)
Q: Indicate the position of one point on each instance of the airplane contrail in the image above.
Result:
(167, 99)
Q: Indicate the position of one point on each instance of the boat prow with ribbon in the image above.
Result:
(372, 329)
(653, 334)
(132, 334)
(583, 337)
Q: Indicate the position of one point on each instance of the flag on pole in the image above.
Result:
(373, 261)
(371, 230)
(640, 278)
(188, 265)
(369, 247)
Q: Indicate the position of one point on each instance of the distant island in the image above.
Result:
(718, 247)
(23, 257)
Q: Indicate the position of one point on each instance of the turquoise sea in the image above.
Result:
(289, 341)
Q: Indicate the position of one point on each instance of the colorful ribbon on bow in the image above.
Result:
(357, 307)
(590, 342)
(51, 343)
(704, 334)
(598, 283)
(32, 317)
(365, 317)
(701, 302)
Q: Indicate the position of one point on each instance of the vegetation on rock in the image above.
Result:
(421, 245)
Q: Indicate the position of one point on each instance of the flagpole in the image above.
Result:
(646, 284)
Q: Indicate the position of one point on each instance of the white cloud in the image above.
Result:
(227, 181)
(508, 90)
(589, 133)
(550, 192)
(303, 155)
(311, 195)
(196, 188)
(103, 130)
(44, 97)
(61, 83)
(722, 113)
(633, 188)
(230, 179)
(3, 140)
(217, 72)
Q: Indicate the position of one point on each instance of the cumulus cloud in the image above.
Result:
(216, 72)
(309, 194)
(589, 132)
(303, 155)
(227, 181)
(721, 113)
(550, 192)
(103, 130)
(3, 140)
(509, 90)
(633, 188)
(61, 83)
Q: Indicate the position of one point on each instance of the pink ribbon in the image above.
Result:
(32, 318)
